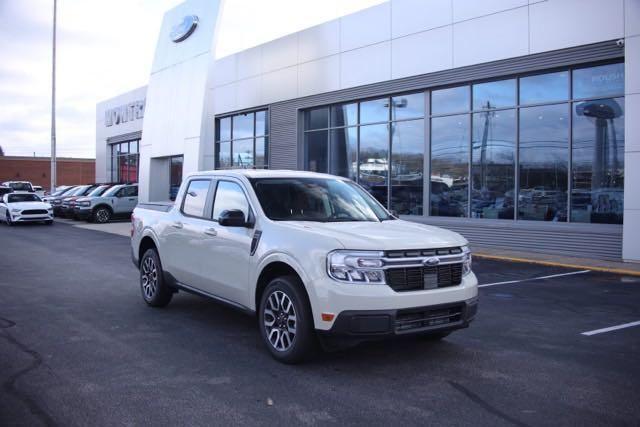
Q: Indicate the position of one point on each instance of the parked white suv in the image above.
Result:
(315, 256)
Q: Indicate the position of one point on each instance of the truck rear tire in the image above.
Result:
(155, 291)
(286, 321)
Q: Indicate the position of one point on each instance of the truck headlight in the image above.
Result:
(356, 266)
(15, 210)
(466, 260)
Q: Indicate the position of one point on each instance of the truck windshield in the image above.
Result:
(316, 199)
(20, 186)
(98, 191)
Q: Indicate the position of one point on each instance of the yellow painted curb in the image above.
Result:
(558, 264)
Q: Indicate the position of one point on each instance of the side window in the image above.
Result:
(195, 198)
(133, 191)
(229, 195)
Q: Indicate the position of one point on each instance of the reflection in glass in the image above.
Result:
(133, 146)
(317, 118)
(407, 157)
(544, 88)
(453, 100)
(544, 152)
(196, 197)
(224, 154)
(374, 160)
(493, 164)
(449, 165)
(261, 123)
(344, 147)
(598, 161)
(373, 111)
(494, 94)
(408, 106)
(224, 129)
(261, 152)
(243, 126)
(597, 82)
(317, 151)
(175, 175)
(344, 115)
(243, 153)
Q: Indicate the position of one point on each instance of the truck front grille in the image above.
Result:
(428, 318)
(34, 212)
(419, 278)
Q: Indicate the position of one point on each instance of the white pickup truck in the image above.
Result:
(314, 256)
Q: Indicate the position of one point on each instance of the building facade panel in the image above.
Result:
(414, 16)
(422, 53)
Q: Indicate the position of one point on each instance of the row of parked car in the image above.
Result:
(98, 202)
(95, 202)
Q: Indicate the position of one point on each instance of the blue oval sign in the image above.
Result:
(184, 29)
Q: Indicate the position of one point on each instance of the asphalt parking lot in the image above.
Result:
(79, 347)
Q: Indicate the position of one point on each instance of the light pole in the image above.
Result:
(53, 103)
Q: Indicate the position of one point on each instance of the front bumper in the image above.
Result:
(330, 297)
(31, 218)
(81, 213)
(369, 324)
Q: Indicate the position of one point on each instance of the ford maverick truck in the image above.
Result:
(314, 257)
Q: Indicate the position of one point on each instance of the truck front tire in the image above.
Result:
(155, 291)
(286, 321)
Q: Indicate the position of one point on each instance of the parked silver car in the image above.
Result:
(117, 201)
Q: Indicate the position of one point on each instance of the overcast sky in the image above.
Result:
(105, 47)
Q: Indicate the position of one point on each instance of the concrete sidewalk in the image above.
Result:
(121, 227)
(557, 260)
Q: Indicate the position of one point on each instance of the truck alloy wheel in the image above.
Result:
(279, 319)
(155, 291)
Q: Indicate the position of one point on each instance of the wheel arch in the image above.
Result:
(102, 205)
(148, 241)
(276, 266)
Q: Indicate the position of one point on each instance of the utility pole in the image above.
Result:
(53, 103)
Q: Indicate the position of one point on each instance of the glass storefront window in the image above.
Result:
(261, 152)
(541, 88)
(564, 128)
(243, 126)
(224, 154)
(317, 151)
(450, 165)
(175, 175)
(344, 115)
(493, 164)
(544, 160)
(224, 129)
(498, 94)
(242, 153)
(124, 161)
(374, 160)
(407, 106)
(374, 111)
(598, 161)
(452, 100)
(344, 149)
(407, 165)
(261, 123)
(317, 118)
(598, 82)
(235, 140)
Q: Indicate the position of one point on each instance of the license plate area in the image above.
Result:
(430, 279)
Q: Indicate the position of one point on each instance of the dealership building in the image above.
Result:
(501, 119)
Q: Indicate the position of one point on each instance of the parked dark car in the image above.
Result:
(68, 203)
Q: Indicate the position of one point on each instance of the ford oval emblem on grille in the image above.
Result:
(431, 262)
(184, 29)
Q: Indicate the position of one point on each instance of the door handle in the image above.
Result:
(176, 224)
(211, 232)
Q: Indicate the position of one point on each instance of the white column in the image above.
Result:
(631, 230)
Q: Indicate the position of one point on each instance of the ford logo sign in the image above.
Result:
(431, 262)
(184, 29)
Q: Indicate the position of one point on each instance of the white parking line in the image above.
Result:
(611, 328)
(535, 278)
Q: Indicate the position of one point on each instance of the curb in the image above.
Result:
(558, 264)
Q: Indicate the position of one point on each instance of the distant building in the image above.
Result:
(38, 169)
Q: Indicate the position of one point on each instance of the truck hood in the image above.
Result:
(386, 235)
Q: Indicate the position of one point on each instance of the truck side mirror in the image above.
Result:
(232, 218)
